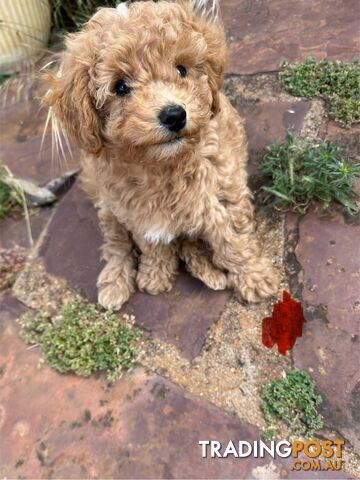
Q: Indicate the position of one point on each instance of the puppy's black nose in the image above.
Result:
(173, 118)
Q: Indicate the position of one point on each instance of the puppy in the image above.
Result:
(164, 152)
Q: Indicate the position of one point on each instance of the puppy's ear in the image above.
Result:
(71, 91)
(212, 29)
(72, 104)
(215, 61)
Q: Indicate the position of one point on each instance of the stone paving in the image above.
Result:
(202, 363)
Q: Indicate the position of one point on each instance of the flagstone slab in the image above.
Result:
(142, 426)
(266, 122)
(13, 231)
(71, 247)
(267, 117)
(329, 254)
(182, 316)
(262, 33)
(332, 357)
(71, 250)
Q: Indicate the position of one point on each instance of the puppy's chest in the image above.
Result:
(154, 225)
(156, 235)
(158, 215)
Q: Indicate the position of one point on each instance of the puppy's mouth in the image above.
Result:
(172, 141)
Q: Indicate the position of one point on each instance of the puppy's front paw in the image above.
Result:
(154, 282)
(256, 284)
(114, 295)
(115, 286)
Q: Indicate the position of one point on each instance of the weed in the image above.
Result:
(302, 173)
(336, 82)
(83, 340)
(293, 400)
(12, 194)
(6, 199)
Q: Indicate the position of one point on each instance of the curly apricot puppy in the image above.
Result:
(164, 152)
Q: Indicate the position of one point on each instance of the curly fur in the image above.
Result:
(160, 195)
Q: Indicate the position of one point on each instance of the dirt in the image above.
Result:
(41, 291)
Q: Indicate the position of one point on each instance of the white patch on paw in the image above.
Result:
(159, 236)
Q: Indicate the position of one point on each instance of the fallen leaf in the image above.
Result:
(285, 325)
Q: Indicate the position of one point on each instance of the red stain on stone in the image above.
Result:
(285, 324)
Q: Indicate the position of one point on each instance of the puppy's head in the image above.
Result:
(142, 78)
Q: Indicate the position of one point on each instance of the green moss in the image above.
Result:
(336, 82)
(269, 433)
(83, 340)
(10, 193)
(292, 400)
(6, 200)
(302, 173)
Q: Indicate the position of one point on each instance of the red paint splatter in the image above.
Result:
(285, 325)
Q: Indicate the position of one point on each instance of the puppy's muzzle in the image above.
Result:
(173, 117)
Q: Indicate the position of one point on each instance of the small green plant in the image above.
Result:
(10, 194)
(83, 340)
(303, 173)
(336, 82)
(6, 199)
(292, 400)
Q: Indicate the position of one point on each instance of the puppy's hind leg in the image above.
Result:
(198, 262)
(116, 282)
(236, 249)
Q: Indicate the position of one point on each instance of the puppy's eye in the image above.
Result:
(182, 70)
(122, 88)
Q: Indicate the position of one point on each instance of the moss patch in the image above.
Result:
(336, 82)
(11, 193)
(6, 199)
(292, 400)
(303, 173)
(83, 339)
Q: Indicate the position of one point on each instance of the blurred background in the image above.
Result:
(29, 28)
